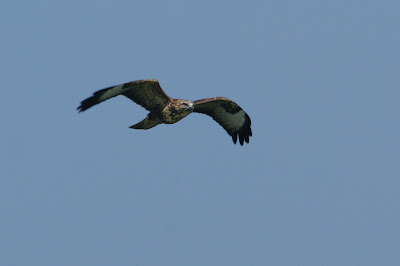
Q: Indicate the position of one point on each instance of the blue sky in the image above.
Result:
(317, 185)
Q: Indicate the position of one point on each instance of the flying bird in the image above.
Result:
(165, 110)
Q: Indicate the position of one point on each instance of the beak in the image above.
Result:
(191, 107)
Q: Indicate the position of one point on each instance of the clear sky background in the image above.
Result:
(317, 185)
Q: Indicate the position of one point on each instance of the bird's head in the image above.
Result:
(184, 106)
(176, 110)
(180, 109)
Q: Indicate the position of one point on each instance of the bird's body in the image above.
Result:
(165, 110)
(176, 110)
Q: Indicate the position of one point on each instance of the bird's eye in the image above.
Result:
(185, 104)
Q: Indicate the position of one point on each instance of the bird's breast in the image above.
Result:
(171, 115)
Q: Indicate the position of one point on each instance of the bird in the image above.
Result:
(166, 110)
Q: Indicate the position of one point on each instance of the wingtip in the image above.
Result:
(80, 109)
(241, 140)
(234, 138)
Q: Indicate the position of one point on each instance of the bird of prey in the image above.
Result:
(165, 110)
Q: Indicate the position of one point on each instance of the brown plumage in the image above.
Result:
(165, 110)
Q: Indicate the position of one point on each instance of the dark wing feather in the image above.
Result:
(228, 114)
(147, 93)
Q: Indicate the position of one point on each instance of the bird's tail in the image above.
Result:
(145, 124)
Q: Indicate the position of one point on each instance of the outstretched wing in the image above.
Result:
(228, 114)
(147, 93)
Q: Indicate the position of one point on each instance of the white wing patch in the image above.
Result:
(111, 92)
(234, 121)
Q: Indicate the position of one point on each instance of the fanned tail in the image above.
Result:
(145, 124)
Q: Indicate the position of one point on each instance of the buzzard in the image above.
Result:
(165, 110)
